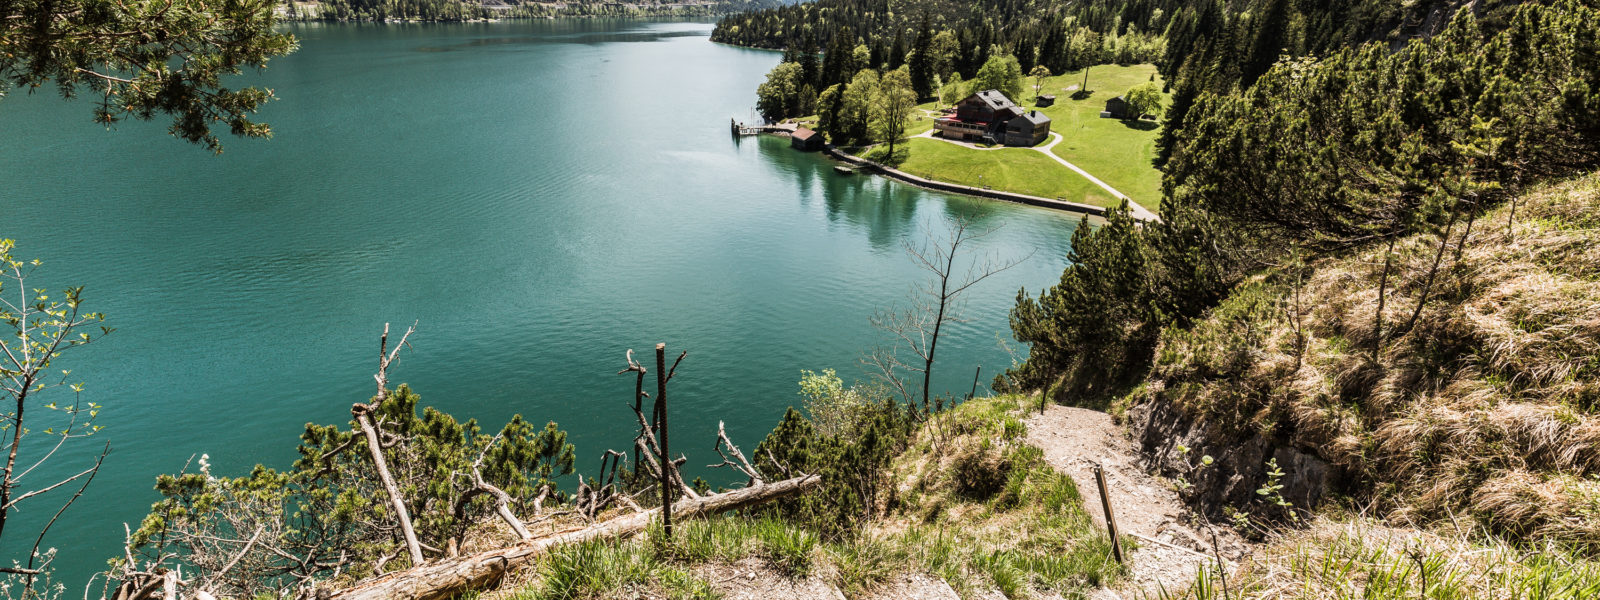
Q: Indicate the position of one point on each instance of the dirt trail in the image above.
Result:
(1073, 440)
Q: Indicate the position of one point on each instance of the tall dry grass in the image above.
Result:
(1360, 558)
(1489, 406)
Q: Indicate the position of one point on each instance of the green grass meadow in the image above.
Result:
(1011, 169)
(1118, 152)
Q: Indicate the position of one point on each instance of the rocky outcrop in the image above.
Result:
(1239, 466)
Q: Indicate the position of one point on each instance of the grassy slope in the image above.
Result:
(1031, 536)
(1363, 559)
(1488, 411)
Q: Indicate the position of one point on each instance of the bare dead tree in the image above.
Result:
(42, 329)
(1433, 269)
(933, 304)
(591, 500)
(363, 415)
(638, 394)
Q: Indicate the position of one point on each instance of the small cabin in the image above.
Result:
(1116, 108)
(1027, 129)
(806, 140)
(1045, 100)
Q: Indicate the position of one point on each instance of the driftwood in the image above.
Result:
(446, 578)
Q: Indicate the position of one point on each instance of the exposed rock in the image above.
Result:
(1239, 467)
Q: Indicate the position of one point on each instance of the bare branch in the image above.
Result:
(743, 466)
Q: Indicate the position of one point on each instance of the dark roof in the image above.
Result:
(1035, 117)
(1117, 99)
(803, 134)
(994, 99)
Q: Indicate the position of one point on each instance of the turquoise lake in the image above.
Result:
(540, 196)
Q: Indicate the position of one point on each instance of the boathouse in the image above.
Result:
(806, 140)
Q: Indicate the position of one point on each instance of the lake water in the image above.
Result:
(541, 196)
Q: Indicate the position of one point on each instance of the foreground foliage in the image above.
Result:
(1486, 405)
(1364, 559)
(1022, 533)
(146, 58)
(327, 516)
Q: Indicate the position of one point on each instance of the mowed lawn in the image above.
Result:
(1118, 152)
(1018, 170)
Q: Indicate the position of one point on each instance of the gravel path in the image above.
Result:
(1074, 440)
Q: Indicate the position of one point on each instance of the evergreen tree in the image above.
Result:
(1270, 29)
(922, 61)
(141, 61)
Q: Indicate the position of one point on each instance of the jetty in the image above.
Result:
(742, 129)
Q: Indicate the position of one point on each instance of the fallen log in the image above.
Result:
(447, 578)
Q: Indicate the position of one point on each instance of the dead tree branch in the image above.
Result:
(363, 415)
(743, 466)
(446, 578)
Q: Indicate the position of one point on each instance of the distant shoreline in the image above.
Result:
(686, 10)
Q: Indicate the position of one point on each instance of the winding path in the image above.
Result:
(1174, 542)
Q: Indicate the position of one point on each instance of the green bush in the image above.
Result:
(854, 464)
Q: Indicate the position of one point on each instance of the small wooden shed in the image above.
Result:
(1044, 100)
(1116, 108)
(806, 140)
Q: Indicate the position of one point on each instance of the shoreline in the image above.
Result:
(284, 19)
(964, 190)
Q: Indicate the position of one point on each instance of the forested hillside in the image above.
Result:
(464, 10)
(1361, 188)
(1249, 32)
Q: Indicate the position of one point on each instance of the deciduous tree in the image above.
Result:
(1002, 73)
(1144, 99)
(41, 327)
(1038, 74)
(897, 100)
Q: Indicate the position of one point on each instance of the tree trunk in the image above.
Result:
(666, 459)
(363, 416)
(1465, 236)
(1299, 327)
(1383, 290)
(446, 578)
(1427, 283)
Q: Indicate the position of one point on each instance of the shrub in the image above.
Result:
(980, 471)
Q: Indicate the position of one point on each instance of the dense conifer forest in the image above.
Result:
(466, 10)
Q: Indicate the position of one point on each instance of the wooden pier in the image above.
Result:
(741, 129)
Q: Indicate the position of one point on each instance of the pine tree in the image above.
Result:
(921, 60)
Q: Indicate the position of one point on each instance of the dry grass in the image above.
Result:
(1363, 559)
(1489, 406)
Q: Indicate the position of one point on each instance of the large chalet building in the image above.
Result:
(990, 117)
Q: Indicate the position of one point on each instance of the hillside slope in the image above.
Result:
(1488, 406)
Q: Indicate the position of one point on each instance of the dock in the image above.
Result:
(741, 129)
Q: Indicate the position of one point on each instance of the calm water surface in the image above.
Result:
(541, 196)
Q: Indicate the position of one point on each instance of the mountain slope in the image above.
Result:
(1487, 405)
